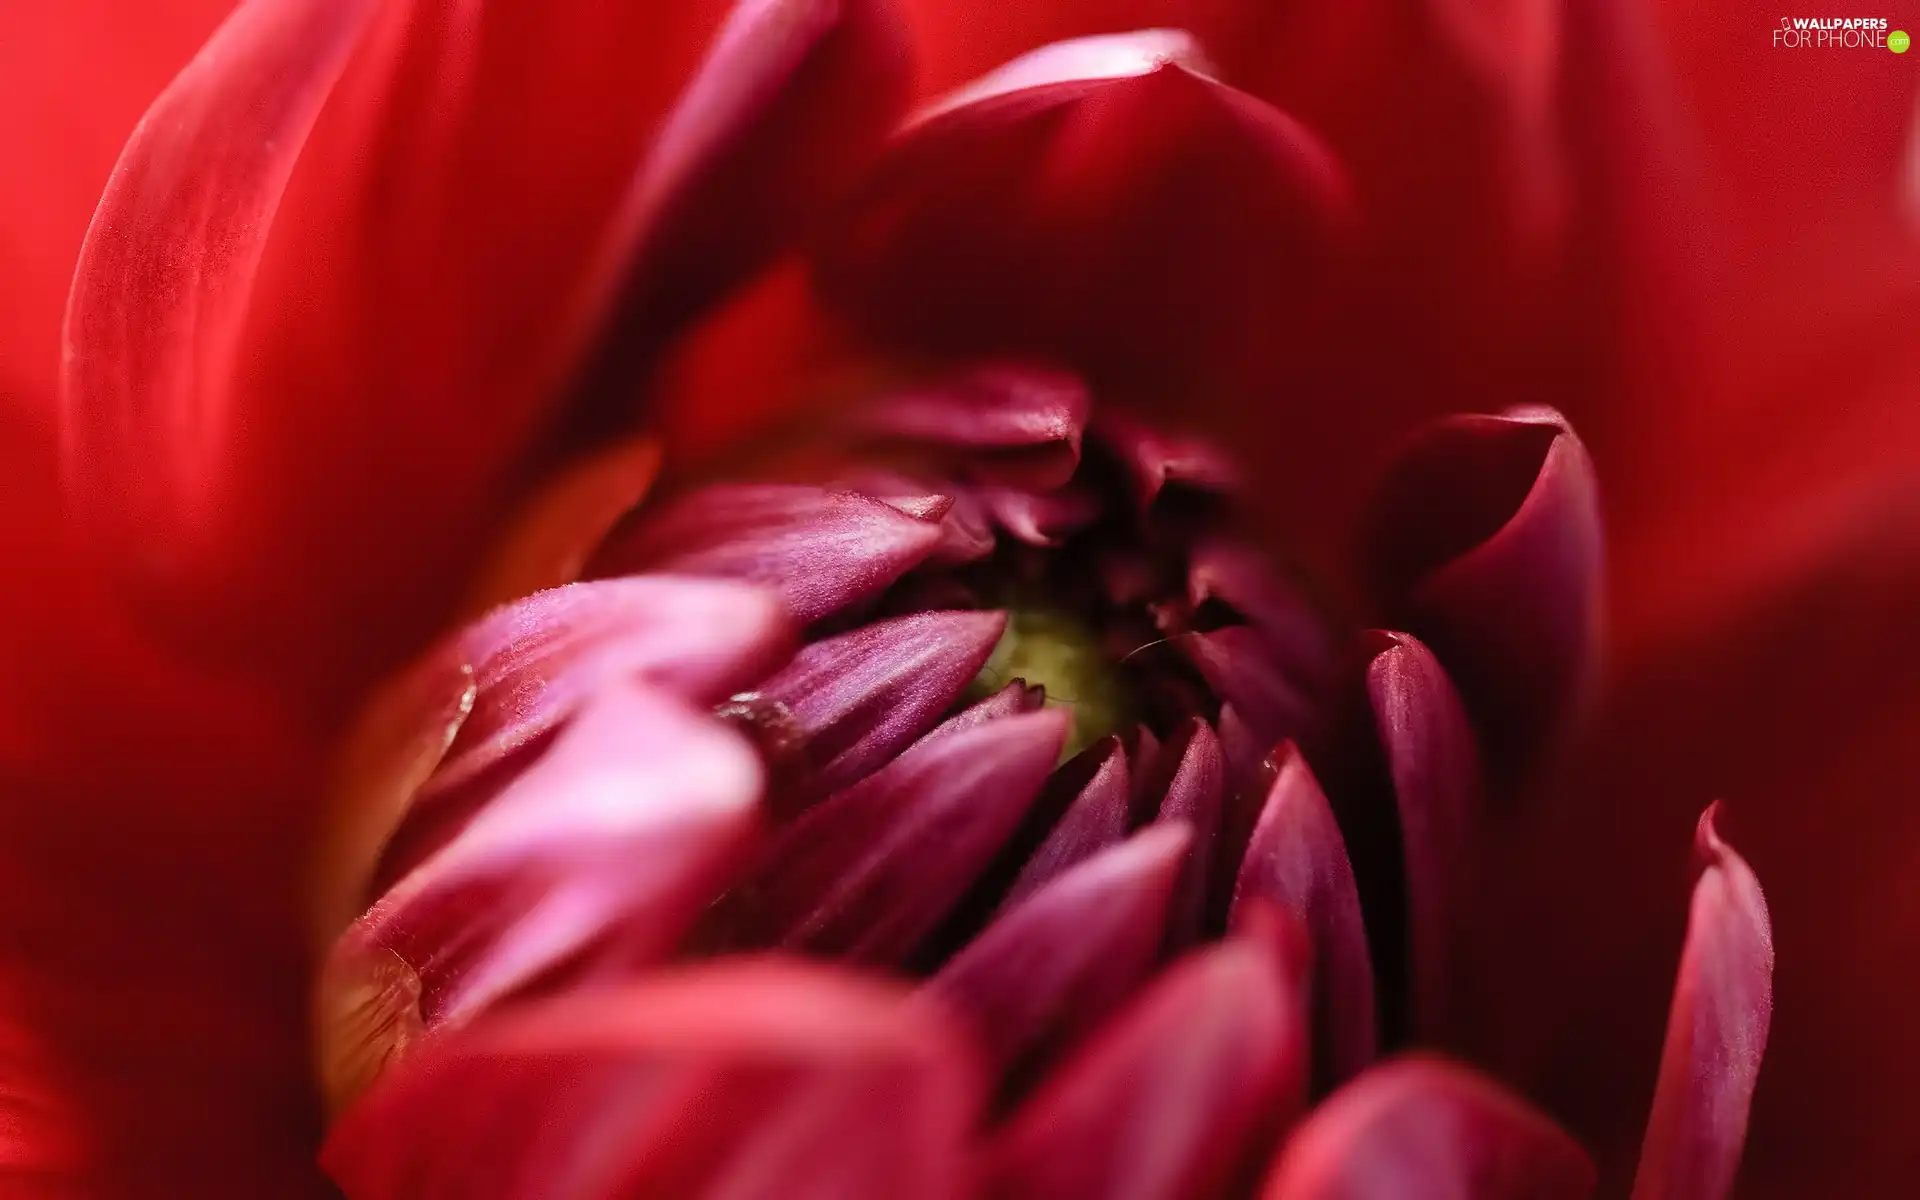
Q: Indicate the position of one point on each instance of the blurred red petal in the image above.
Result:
(1298, 862)
(597, 858)
(348, 263)
(745, 1079)
(1716, 1035)
(1485, 542)
(1178, 1096)
(1424, 1127)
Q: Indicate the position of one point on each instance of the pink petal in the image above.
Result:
(861, 698)
(1239, 574)
(1176, 1097)
(1081, 61)
(866, 875)
(1485, 542)
(1040, 518)
(347, 217)
(1053, 966)
(1095, 819)
(599, 857)
(1018, 421)
(1435, 771)
(749, 1078)
(1298, 861)
(1140, 221)
(1424, 1127)
(823, 551)
(1716, 1034)
(1194, 796)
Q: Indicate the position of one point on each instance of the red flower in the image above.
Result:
(370, 271)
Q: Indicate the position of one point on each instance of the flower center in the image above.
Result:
(1060, 653)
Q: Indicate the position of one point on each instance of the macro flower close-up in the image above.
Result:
(895, 598)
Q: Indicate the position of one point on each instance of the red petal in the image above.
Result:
(1051, 967)
(1716, 1035)
(1424, 1127)
(293, 241)
(1016, 419)
(1245, 670)
(743, 1079)
(1435, 770)
(866, 875)
(1176, 1097)
(824, 551)
(1194, 797)
(1153, 458)
(1298, 862)
(600, 856)
(1485, 542)
(1144, 226)
(861, 698)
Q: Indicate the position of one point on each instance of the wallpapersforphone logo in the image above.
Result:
(1839, 33)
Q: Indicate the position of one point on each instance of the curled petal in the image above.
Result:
(868, 874)
(1298, 862)
(1485, 542)
(1175, 1097)
(1154, 459)
(1051, 967)
(1424, 1127)
(1103, 203)
(742, 1079)
(861, 698)
(1040, 518)
(822, 550)
(1716, 1033)
(1435, 771)
(598, 859)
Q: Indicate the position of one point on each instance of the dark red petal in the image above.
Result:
(1716, 1034)
(753, 1078)
(1039, 518)
(866, 875)
(1106, 205)
(1298, 862)
(1243, 669)
(1424, 1127)
(859, 699)
(599, 857)
(822, 550)
(1095, 819)
(1052, 966)
(1176, 1097)
(1194, 796)
(1485, 542)
(338, 281)
(1435, 770)
(1153, 459)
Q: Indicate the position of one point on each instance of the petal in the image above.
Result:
(1017, 419)
(1154, 459)
(744, 1079)
(1175, 1097)
(823, 551)
(1242, 668)
(1485, 542)
(1716, 1035)
(1110, 208)
(1051, 967)
(1095, 819)
(1298, 862)
(1040, 518)
(1193, 796)
(1425, 1127)
(292, 241)
(861, 698)
(598, 858)
(1434, 766)
(866, 875)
